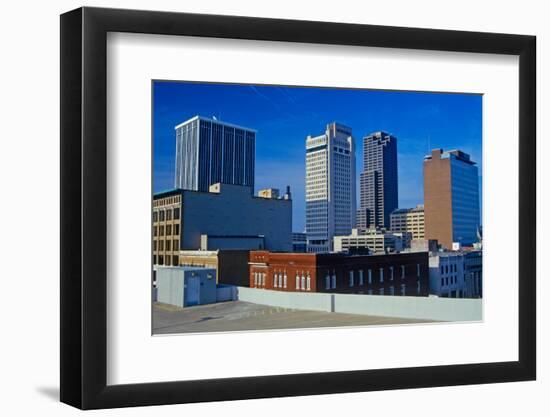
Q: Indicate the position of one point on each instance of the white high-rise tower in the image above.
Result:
(330, 187)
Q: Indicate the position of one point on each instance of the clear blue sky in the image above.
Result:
(284, 116)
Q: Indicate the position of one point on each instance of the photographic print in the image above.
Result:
(294, 207)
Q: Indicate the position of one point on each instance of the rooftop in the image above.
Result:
(214, 120)
(454, 154)
(419, 207)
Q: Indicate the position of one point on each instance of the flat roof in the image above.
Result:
(184, 268)
(211, 120)
(181, 191)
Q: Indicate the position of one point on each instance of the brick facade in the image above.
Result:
(392, 274)
(438, 211)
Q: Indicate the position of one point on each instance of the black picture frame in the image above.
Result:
(84, 207)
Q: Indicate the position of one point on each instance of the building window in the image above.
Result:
(168, 230)
(418, 287)
(161, 214)
(168, 244)
(333, 280)
(418, 270)
(303, 282)
(176, 213)
(155, 231)
(351, 279)
(297, 282)
(442, 269)
(381, 274)
(284, 280)
(154, 245)
(161, 244)
(155, 216)
(370, 276)
(176, 229)
(175, 260)
(161, 260)
(327, 282)
(274, 280)
(402, 271)
(308, 283)
(403, 289)
(442, 281)
(167, 261)
(361, 277)
(175, 245)
(280, 281)
(161, 231)
(255, 279)
(168, 214)
(391, 273)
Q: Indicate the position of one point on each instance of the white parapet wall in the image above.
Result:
(426, 308)
(295, 300)
(423, 308)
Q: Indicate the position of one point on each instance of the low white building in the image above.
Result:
(371, 240)
(456, 274)
(185, 286)
(447, 274)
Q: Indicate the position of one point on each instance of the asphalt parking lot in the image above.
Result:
(240, 316)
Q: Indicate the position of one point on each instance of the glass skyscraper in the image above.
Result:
(209, 151)
(330, 187)
(451, 198)
(378, 181)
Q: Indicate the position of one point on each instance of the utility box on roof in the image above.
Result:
(186, 286)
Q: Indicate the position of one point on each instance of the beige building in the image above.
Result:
(372, 240)
(167, 229)
(408, 220)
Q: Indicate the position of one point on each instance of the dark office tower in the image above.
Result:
(378, 181)
(209, 151)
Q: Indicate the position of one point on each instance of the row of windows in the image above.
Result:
(330, 280)
(445, 268)
(168, 214)
(159, 230)
(166, 260)
(259, 279)
(345, 151)
(165, 245)
(166, 201)
(453, 280)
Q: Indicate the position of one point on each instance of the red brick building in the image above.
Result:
(391, 274)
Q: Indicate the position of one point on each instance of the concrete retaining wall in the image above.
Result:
(300, 301)
(427, 308)
(226, 293)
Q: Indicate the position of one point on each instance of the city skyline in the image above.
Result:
(284, 116)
